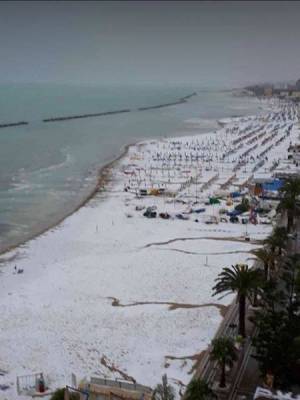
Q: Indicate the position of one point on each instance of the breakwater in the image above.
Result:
(179, 101)
(86, 115)
(102, 114)
(13, 124)
(189, 96)
(67, 118)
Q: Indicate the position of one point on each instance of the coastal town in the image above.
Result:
(186, 209)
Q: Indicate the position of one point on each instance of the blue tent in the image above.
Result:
(235, 194)
(272, 186)
(234, 213)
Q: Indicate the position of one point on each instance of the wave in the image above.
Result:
(20, 186)
(200, 121)
(23, 180)
(200, 124)
(66, 162)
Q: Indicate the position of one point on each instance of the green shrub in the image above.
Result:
(59, 394)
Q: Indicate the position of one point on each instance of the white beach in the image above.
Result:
(58, 317)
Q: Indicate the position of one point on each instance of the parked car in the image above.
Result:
(223, 219)
(199, 210)
(182, 216)
(150, 213)
(164, 215)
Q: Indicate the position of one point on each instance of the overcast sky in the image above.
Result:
(209, 43)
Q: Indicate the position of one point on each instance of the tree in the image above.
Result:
(59, 394)
(290, 191)
(290, 276)
(244, 206)
(278, 325)
(278, 239)
(198, 389)
(268, 342)
(224, 352)
(267, 258)
(240, 280)
(276, 349)
(163, 391)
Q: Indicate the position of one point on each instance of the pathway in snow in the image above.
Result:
(172, 305)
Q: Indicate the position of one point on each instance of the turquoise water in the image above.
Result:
(48, 169)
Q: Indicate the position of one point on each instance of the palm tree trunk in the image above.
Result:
(271, 269)
(223, 376)
(290, 221)
(255, 300)
(242, 310)
(266, 270)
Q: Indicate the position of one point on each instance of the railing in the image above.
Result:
(27, 384)
(120, 384)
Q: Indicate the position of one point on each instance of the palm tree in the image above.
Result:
(290, 191)
(240, 280)
(281, 235)
(290, 276)
(266, 257)
(278, 239)
(163, 391)
(224, 352)
(198, 389)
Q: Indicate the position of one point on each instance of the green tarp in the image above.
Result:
(214, 200)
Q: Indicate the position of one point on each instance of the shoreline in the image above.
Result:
(102, 179)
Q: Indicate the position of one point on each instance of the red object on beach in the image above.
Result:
(41, 385)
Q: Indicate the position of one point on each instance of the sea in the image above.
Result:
(48, 169)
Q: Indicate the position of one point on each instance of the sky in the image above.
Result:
(210, 43)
